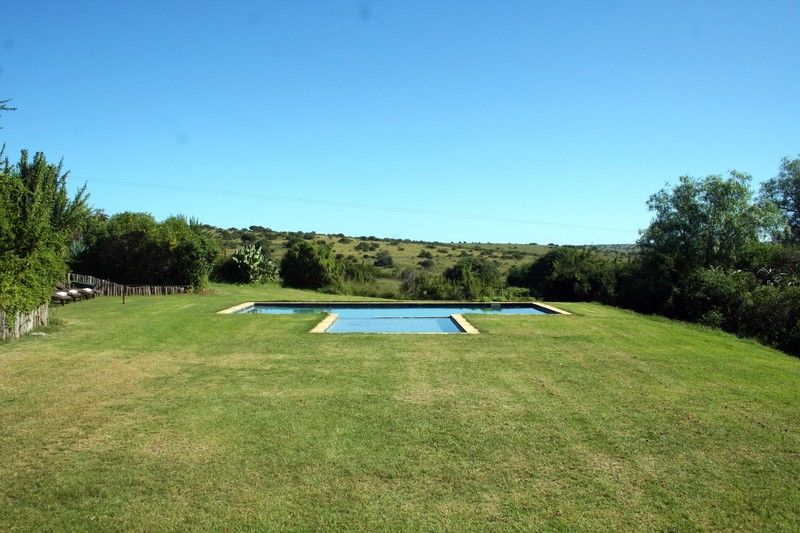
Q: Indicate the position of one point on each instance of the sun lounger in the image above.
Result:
(76, 294)
(87, 292)
(61, 297)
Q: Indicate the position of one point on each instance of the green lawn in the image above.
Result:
(160, 414)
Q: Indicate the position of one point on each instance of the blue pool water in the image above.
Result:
(394, 318)
(394, 325)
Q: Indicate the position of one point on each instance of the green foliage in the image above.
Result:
(133, 248)
(567, 274)
(309, 265)
(427, 263)
(784, 191)
(424, 286)
(384, 259)
(367, 246)
(354, 270)
(707, 222)
(717, 297)
(254, 265)
(470, 278)
(773, 316)
(37, 218)
(475, 276)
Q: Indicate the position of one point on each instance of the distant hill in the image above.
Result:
(433, 256)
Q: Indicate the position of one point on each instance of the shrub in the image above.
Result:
(425, 254)
(567, 274)
(367, 246)
(773, 316)
(308, 265)
(133, 248)
(384, 259)
(355, 271)
(420, 285)
(716, 297)
(477, 277)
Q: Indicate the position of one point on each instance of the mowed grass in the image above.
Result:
(162, 415)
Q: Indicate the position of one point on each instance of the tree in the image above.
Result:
(308, 265)
(784, 191)
(707, 222)
(37, 219)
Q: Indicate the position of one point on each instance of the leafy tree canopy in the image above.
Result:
(706, 222)
(784, 191)
(37, 220)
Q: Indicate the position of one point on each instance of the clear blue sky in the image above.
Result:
(567, 113)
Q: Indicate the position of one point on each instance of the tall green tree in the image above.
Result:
(706, 222)
(37, 220)
(784, 191)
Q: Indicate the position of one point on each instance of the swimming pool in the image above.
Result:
(393, 317)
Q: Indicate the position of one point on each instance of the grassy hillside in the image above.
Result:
(407, 253)
(160, 414)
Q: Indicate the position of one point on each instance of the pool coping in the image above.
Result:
(394, 303)
(326, 322)
(464, 324)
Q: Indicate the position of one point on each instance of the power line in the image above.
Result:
(353, 205)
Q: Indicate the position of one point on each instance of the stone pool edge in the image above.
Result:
(400, 303)
(326, 322)
(464, 324)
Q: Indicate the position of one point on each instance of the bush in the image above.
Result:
(227, 270)
(367, 246)
(647, 284)
(567, 274)
(476, 277)
(133, 248)
(773, 316)
(423, 286)
(716, 297)
(471, 278)
(308, 265)
(355, 271)
(384, 259)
